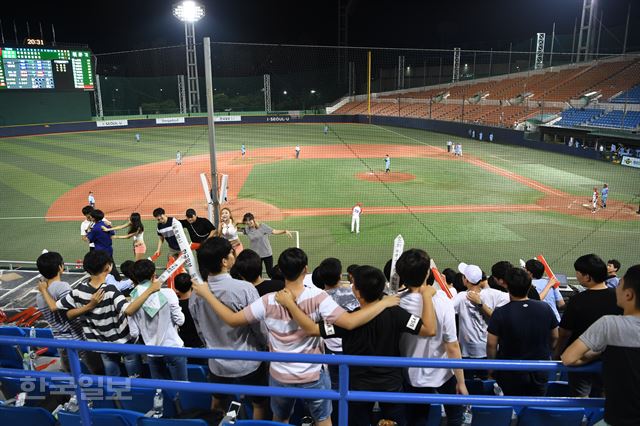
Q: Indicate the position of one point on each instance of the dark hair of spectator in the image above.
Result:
(143, 270)
(96, 261)
(518, 282)
(292, 262)
(592, 265)
(413, 267)
(248, 266)
(211, 253)
(49, 264)
(182, 282)
(535, 267)
(369, 282)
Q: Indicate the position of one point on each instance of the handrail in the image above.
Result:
(343, 395)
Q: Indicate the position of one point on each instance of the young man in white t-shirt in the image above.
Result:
(285, 335)
(474, 308)
(86, 224)
(413, 270)
(355, 218)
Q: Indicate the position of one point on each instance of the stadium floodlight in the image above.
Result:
(312, 91)
(284, 92)
(188, 11)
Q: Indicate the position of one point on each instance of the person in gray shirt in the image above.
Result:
(216, 256)
(258, 234)
(616, 339)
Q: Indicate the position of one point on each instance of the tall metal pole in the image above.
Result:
(599, 33)
(1, 31)
(510, 47)
(553, 38)
(626, 31)
(212, 132)
(573, 43)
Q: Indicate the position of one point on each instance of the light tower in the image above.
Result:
(190, 12)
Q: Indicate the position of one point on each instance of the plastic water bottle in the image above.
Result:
(497, 390)
(72, 405)
(158, 404)
(306, 421)
(32, 351)
(467, 416)
(20, 399)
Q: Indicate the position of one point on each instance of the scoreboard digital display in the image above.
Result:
(27, 68)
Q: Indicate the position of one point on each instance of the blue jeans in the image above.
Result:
(320, 409)
(111, 362)
(168, 367)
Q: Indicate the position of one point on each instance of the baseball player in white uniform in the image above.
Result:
(355, 218)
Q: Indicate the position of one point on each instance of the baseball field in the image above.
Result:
(496, 202)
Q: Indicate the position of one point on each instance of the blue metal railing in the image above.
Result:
(343, 394)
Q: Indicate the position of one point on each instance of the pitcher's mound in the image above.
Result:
(385, 177)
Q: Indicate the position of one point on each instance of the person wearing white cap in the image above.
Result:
(474, 308)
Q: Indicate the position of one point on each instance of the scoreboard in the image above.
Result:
(28, 68)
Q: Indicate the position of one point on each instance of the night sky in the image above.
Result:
(116, 25)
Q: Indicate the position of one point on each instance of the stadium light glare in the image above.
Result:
(188, 11)
(312, 91)
(284, 92)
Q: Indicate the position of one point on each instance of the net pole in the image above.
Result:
(212, 132)
(369, 84)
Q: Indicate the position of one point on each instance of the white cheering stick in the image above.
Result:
(394, 279)
(187, 254)
(171, 269)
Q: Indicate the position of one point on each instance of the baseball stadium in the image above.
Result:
(526, 153)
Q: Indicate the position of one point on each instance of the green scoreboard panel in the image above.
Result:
(27, 68)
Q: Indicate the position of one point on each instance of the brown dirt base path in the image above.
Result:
(177, 188)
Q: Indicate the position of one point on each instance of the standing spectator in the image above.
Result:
(50, 265)
(258, 234)
(104, 311)
(156, 323)
(617, 340)
(356, 211)
(228, 230)
(102, 239)
(613, 266)
(165, 232)
(546, 288)
(604, 194)
(92, 200)
(582, 310)
(199, 228)
(285, 336)
(413, 269)
(135, 231)
(378, 337)
(248, 267)
(522, 329)
(86, 225)
(187, 331)
(498, 273)
(474, 308)
(217, 257)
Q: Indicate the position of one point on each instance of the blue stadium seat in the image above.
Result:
(258, 423)
(536, 416)
(141, 401)
(101, 417)
(558, 389)
(146, 421)
(435, 415)
(190, 400)
(491, 416)
(26, 416)
(594, 415)
(480, 387)
(196, 373)
(10, 356)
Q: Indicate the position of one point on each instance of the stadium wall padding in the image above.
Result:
(455, 129)
(23, 107)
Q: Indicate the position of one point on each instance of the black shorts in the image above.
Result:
(260, 377)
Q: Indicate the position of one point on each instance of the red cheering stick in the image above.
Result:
(548, 270)
(441, 281)
(194, 246)
(154, 257)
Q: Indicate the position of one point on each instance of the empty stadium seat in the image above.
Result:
(26, 416)
(536, 416)
(10, 356)
(196, 373)
(101, 417)
(558, 389)
(491, 416)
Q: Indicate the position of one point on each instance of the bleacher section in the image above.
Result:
(631, 96)
(577, 117)
(509, 100)
(618, 119)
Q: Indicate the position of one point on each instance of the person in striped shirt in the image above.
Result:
(286, 336)
(103, 310)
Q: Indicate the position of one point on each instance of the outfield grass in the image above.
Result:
(37, 170)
